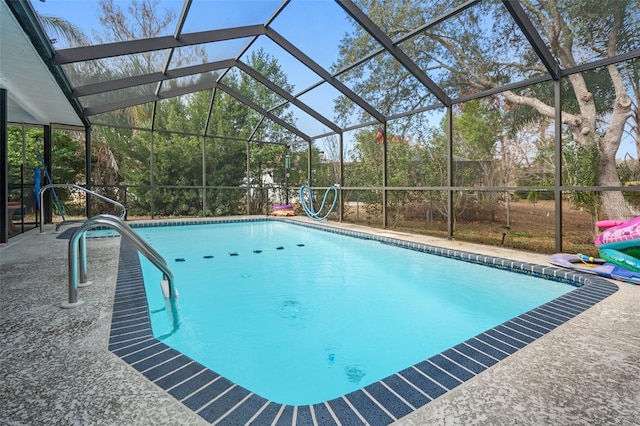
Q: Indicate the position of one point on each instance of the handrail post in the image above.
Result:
(82, 255)
(73, 274)
(41, 195)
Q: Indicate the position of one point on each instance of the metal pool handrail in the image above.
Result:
(77, 248)
(79, 188)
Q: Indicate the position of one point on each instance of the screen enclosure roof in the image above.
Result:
(212, 45)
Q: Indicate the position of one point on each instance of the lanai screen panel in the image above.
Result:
(205, 15)
(104, 99)
(208, 52)
(296, 74)
(586, 28)
(328, 101)
(240, 119)
(387, 85)
(323, 25)
(479, 48)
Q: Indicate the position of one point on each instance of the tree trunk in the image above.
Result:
(613, 202)
(616, 207)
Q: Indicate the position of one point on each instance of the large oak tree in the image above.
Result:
(482, 48)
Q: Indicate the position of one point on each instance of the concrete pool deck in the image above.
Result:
(57, 368)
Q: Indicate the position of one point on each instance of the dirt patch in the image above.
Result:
(521, 225)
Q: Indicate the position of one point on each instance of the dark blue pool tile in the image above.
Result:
(603, 289)
(510, 340)
(406, 391)
(388, 400)
(464, 361)
(323, 416)
(155, 360)
(125, 326)
(180, 375)
(123, 313)
(128, 281)
(573, 300)
(120, 338)
(368, 409)
(557, 312)
(120, 345)
(123, 296)
(590, 295)
(597, 289)
(132, 293)
(537, 318)
(508, 329)
(145, 353)
(577, 300)
(127, 278)
(207, 394)
(126, 315)
(524, 328)
(167, 367)
(489, 350)
(139, 303)
(445, 379)
(589, 298)
(304, 416)
(344, 413)
(188, 387)
(132, 328)
(504, 347)
(286, 416)
(567, 306)
(130, 267)
(535, 322)
(128, 290)
(547, 316)
(423, 383)
(129, 308)
(267, 415)
(125, 320)
(245, 411)
(453, 369)
(129, 294)
(594, 292)
(475, 354)
(224, 404)
(129, 349)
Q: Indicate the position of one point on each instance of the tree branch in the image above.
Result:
(544, 109)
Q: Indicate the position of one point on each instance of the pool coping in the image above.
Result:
(218, 400)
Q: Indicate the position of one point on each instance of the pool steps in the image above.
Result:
(219, 401)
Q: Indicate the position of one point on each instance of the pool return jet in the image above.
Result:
(305, 190)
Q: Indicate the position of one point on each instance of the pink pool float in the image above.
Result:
(620, 244)
(282, 210)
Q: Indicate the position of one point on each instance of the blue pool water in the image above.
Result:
(301, 316)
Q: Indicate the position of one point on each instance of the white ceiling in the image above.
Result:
(34, 95)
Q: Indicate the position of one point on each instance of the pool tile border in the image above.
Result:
(220, 401)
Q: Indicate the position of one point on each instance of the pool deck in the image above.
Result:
(56, 368)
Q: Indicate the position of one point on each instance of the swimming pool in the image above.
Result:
(300, 316)
(379, 402)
